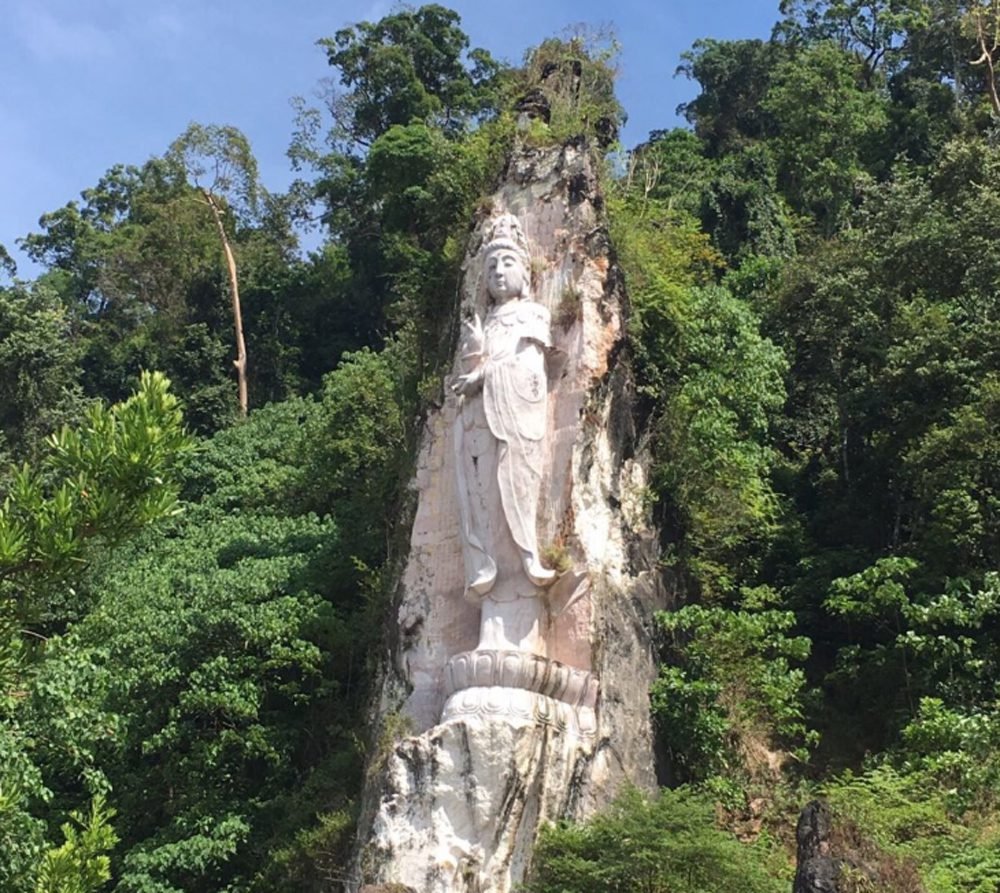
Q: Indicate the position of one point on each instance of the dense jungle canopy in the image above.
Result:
(193, 594)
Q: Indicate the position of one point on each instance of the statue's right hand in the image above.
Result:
(468, 384)
(474, 334)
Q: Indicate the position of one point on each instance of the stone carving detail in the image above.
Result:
(516, 705)
(500, 439)
(501, 425)
(518, 669)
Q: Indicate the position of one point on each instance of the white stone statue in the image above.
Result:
(500, 435)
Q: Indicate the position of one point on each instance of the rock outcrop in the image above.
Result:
(523, 689)
(835, 856)
(817, 869)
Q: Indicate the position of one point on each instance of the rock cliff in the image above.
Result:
(501, 738)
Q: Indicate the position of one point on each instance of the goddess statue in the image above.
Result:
(501, 426)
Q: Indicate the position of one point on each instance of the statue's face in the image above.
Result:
(506, 276)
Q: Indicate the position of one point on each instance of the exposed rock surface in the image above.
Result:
(817, 870)
(504, 741)
(835, 856)
(534, 104)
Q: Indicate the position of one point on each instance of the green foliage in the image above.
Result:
(889, 445)
(957, 751)
(735, 77)
(904, 644)
(215, 688)
(220, 632)
(727, 699)
(39, 365)
(744, 209)
(715, 458)
(218, 160)
(81, 864)
(408, 65)
(415, 141)
(667, 845)
(140, 271)
(97, 482)
(911, 820)
(7, 264)
(832, 132)
(844, 171)
(318, 852)
(576, 77)
(22, 791)
(671, 166)
(716, 381)
(874, 31)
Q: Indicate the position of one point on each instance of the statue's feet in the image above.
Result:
(540, 576)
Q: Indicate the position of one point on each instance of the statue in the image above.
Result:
(501, 427)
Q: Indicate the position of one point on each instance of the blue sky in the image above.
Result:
(90, 83)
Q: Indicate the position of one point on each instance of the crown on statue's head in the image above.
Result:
(505, 233)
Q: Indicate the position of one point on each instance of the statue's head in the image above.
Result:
(507, 264)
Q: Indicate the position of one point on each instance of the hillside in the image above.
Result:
(197, 597)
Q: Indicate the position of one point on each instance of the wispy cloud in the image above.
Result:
(52, 38)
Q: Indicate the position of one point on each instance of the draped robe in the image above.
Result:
(499, 440)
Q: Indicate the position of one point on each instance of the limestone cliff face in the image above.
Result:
(500, 742)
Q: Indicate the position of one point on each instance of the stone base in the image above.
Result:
(463, 803)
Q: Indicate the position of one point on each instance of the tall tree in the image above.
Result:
(414, 63)
(39, 366)
(874, 30)
(219, 162)
(982, 23)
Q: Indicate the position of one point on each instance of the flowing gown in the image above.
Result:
(499, 443)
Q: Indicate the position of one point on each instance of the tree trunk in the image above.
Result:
(241, 348)
(989, 49)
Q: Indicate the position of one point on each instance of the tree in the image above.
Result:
(727, 701)
(7, 264)
(414, 141)
(408, 65)
(218, 682)
(134, 268)
(982, 23)
(81, 864)
(96, 483)
(830, 132)
(734, 76)
(219, 162)
(40, 368)
(874, 30)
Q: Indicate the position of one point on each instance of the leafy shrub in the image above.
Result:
(727, 699)
(666, 845)
(908, 818)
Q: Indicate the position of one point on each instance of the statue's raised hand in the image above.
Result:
(469, 383)
(473, 337)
